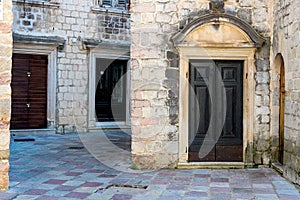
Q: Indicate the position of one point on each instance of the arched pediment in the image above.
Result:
(218, 30)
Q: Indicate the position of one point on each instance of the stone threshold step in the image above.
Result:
(211, 165)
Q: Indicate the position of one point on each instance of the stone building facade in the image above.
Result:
(286, 56)
(172, 38)
(74, 36)
(172, 69)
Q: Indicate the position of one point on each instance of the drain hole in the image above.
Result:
(24, 140)
(124, 186)
(76, 148)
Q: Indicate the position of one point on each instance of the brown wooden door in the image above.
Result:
(281, 113)
(216, 110)
(29, 91)
(110, 98)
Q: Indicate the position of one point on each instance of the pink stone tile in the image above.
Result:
(55, 181)
(107, 176)
(121, 197)
(65, 188)
(202, 175)
(45, 197)
(95, 171)
(91, 184)
(78, 195)
(35, 192)
(73, 173)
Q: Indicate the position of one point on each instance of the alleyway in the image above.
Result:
(60, 167)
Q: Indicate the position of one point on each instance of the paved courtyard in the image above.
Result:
(93, 166)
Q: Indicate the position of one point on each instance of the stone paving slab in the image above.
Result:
(48, 169)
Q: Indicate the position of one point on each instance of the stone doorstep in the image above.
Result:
(278, 167)
(211, 165)
(20, 132)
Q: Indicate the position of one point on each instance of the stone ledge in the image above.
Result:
(39, 40)
(37, 3)
(211, 165)
(114, 11)
(278, 167)
(91, 44)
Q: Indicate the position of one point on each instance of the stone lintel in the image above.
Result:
(37, 3)
(39, 40)
(256, 38)
(94, 44)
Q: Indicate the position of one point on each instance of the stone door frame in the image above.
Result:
(218, 37)
(51, 51)
(242, 54)
(109, 54)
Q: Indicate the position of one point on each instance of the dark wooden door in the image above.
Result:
(215, 116)
(29, 91)
(281, 113)
(110, 101)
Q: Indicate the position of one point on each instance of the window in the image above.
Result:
(119, 4)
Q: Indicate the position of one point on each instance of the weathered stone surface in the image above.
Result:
(4, 154)
(286, 42)
(5, 90)
(4, 181)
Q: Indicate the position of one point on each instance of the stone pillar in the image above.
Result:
(5, 90)
(154, 86)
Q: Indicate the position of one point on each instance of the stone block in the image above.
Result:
(245, 3)
(264, 110)
(262, 89)
(260, 15)
(171, 147)
(154, 147)
(4, 166)
(144, 161)
(4, 138)
(263, 77)
(257, 159)
(163, 18)
(262, 65)
(262, 145)
(4, 181)
(4, 154)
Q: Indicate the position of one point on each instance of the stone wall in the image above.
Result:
(286, 41)
(5, 90)
(155, 77)
(75, 21)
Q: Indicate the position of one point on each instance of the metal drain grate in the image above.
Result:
(24, 140)
(76, 148)
(124, 186)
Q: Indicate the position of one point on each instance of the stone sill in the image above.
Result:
(211, 165)
(114, 11)
(20, 132)
(37, 3)
(278, 167)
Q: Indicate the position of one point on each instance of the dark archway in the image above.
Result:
(279, 65)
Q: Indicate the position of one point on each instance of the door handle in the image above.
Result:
(28, 105)
(28, 74)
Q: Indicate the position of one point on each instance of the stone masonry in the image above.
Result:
(155, 76)
(286, 42)
(5, 91)
(154, 83)
(74, 21)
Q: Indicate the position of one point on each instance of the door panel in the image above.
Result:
(218, 98)
(29, 91)
(110, 98)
